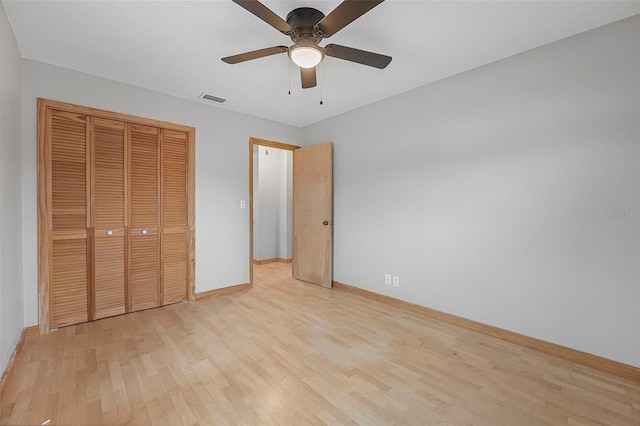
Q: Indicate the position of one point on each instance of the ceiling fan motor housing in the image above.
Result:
(303, 20)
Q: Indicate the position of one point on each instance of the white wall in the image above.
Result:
(490, 193)
(285, 227)
(11, 306)
(222, 170)
(266, 196)
(272, 195)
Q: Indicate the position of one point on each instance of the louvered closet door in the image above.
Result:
(108, 222)
(69, 239)
(174, 216)
(144, 206)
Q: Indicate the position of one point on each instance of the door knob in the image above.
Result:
(109, 232)
(327, 222)
(145, 232)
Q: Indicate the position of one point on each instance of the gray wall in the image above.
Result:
(11, 306)
(285, 230)
(509, 194)
(272, 195)
(222, 170)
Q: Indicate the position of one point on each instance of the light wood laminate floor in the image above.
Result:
(290, 353)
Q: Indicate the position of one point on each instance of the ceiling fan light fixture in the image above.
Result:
(306, 55)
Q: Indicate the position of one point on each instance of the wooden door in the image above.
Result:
(143, 207)
(108, 206)
(313, 214)
(174, 217)
(69, 228)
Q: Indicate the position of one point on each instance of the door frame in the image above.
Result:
(271, 144)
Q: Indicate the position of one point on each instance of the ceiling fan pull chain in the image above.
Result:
(321, 82)
(289, 69)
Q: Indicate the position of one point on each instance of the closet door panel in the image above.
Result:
(144, 271)
(109, 174)
(108, 220)
(174, 216)
(174, 179)
(174, 267)
(69, 282)
(69, 226)
(144, 207)
(109, 270)
(68, 172)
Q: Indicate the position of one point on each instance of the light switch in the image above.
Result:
(243, 204)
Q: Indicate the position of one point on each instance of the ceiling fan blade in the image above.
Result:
(356, 55)
(308, 77)
(264, 13)
(247, 56)
(346, 12)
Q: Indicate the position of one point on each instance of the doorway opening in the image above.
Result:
(311, 207)
(270, 204)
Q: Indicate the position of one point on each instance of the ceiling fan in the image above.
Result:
(307, 27)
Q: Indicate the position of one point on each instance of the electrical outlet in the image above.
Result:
(387, 279)
(396, 281)
(242, 204)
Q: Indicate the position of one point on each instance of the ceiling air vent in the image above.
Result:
(209, 97)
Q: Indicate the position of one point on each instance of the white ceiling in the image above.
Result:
(175, 46)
